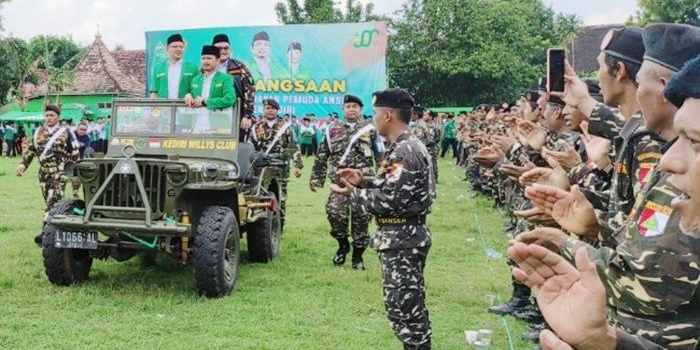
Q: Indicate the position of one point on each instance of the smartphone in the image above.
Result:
(555, 69)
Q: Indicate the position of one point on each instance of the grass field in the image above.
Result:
(298, 301)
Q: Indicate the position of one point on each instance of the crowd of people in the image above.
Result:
(599, 182)
(601, 175)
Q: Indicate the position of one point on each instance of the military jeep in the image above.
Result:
(174, 181)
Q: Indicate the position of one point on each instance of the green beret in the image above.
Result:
(684, 84)
(671, 45)
(272, 103)
(352, 99)
(393, 98)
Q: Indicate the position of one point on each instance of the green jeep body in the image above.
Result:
(175, 180)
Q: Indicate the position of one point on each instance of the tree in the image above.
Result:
(674, 11)
(64, 52)
(464, 52)
(17, 67)
(323, 11)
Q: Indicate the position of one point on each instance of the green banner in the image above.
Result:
(306, 68)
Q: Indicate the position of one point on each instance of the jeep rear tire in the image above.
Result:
(64, 266)
(265, 236)
(217, 252)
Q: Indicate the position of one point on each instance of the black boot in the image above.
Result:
(343, 250)
(357, 262)
(425, 346)
(530, 314)
(533, 334)
(518, 301)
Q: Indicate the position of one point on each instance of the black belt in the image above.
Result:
(389, 220)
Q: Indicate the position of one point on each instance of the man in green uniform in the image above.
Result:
(400, 197)
(262, 66)
(173, 78)
(272, 129)
(348, 144)
(54, 145)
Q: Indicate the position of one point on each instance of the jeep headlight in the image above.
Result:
(231, 172)
(176, 175)
(210, 172)
(87, 172)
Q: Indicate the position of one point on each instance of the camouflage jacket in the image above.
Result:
(335, 143)
(424, 133)
(263, 134)
(243, 84)
(64, 148)
(652, 276)
(401, 189)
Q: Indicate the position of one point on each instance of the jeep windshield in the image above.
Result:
(171, 119)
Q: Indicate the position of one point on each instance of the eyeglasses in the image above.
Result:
(224, 48)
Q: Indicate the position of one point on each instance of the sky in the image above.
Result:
(124, 22)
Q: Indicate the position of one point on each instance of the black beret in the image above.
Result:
(671, 45)
(393, 98)
(556, 100)
(293, 46)
(625, 44)
(534, 95)
(261, 36)
(684, 84)
(418, 110)
(211, 50)
(272, 103)
(351, 99)
(53, 108)
(175, 38)
(220, 38)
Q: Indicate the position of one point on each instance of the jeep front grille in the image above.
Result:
(122, 191)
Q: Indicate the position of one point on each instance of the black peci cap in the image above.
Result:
(671, 45)
(220, 38)
(211, 50)
(175, 38)
(261, 36)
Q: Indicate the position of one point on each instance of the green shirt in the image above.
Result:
(449, 130)
(159, 79)
(9, 133)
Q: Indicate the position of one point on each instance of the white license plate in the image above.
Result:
(75, 240)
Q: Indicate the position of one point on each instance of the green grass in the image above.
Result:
(298, 301)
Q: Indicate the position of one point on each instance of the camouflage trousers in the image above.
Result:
(343, 220)
(52, 189)
(404, 295)
(434, 158)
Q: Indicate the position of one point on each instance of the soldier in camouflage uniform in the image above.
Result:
(400, 197)
(54, 145)
(265, 132)
(353, 135)
(431, 118)
(243, 82)
(652, 277)
(426, 133)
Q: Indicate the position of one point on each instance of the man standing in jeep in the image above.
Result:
(55, 145)
(242, 82)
